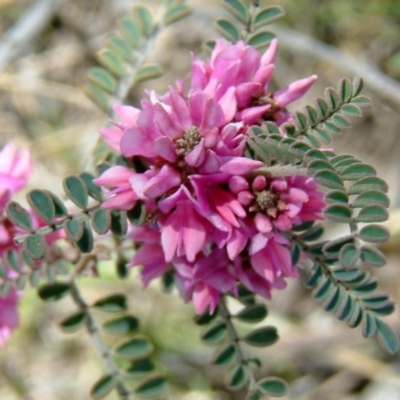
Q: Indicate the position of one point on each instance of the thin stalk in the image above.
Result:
(98, 342)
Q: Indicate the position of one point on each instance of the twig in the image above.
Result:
(26, 29)
(98, 342)
(377, 81)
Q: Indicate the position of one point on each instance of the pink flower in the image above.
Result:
(9, 318)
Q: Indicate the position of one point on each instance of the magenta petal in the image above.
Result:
(127, 114)
(269, 56)
(263, 75)
(112, 137)
(228, 104)
(245, 93)
(165, 123)
(196, 157)
(204, 297)
(258, 242)
(212, 117)
(197, 102)
(239, 165)
(114, 176)
(166, 179)
(165, 149)
(251, 115)
(170, 237)
(135, 143)
(294, 91)
(122, 201)
(263, 223)
(181, 116)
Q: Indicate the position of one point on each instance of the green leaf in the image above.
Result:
(144, 18)
(41, 204)
(272, 387)
(119, 224)
(21, 282)
(319, 165)
(260, 39)
(122, 326)
(122, 47)
(372, 213)
(315, 275)
(76, 191)
(103, 79)
(227, 29)
(329, 179)
(312, 234)
(215, 333)
(358, 85)
(346, 274)
(351, 110)
(252, 314)
(35, 246)
(369, 326)
(346, 308)
(374, 234)
(103, 386)
(113, 303)
(59, 208)
(152, 387)
(12, 260)
(322, 106)
(323, 289)
(349, 255)
(5, 288)
(261, 337)
(338, 212)
(225, 356)
(267, 15)
(53, 291)
(387, 338)
(98, 96)
(93, 190)
(334, 300)
(85, 243)
(73, 228)
(168, 281)
(357, 171)
(368, 183)
(238, 9)
(361, 101)
(345, 89)
(176, 13)
(113, 62)
(147, 72)
(336, 196)
(237, 378)
(332, 97)
(205, 318)
(130, 32)
(372, 256)
(340, 121)
(73, 322)
(101, 221)
(19, 216)
(371, 197)
(140, 367)
(138, 347)
(333, 247)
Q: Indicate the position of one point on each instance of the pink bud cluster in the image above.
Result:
(214, 216)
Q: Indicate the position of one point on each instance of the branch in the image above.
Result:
(377, 81)
(26, 29)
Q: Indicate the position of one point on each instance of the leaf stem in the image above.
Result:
(100, 346)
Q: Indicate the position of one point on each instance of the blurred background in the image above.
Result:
(43, 107)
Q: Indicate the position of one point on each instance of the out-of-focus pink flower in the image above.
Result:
(213, 216)
(9, 318)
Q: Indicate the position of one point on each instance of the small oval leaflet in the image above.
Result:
(85, 242)
(102, 78)
(261, 337)
(272, 387)
(227, 29)
(369, 325)
(138, 347)
(372, 213)
(73, 228)
(237, 377)
(41, 204)
(73, 322)
(140, 367)
(215, 333)
(113, 303)
(205, 318)
(371, 197)
(53, 291)
(267, 15)
(338, 212)
(224, 356)
(147, 72)
(93, 190)
(261, 39)
(349, 255)
(372, 256)
(18, 215)
(152, 387)
(238, 9)
(76, 191)
(35, 246)
(176, 13)
(122, 326)
(144, 18)
(374, 234)
(112, 61)
(103, 386)
(252, 314)
(101, 221)
(98, 96)
(386, 337)
(59, 208)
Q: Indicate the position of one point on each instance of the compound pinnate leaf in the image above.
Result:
(237, 377)
(122, 326)
(138, 347)
(101, 221)
(227, 29)
(225, 356)
(73, 322)
(374, 234)
(267, 15)
(41, 204)
(215, 333)
(54, 291)
(103, 386)
(152, 387)
(387, 337)
(140, 367)
(261, 337)
(18, 215)
(113, 303)
(261, 39)
(35, 246)
(272, 386)
(252, 314)
(76, 191)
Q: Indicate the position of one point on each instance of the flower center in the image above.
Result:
(189, 140)
(267, 202)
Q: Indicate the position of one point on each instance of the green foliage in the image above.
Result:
(73, 322)
(112, 304)
(54, 291)
(138, 347)
(152, 387)
(103, 386)
(122, 326)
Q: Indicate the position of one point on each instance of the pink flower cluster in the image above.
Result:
(15, 168)
(213, 216)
